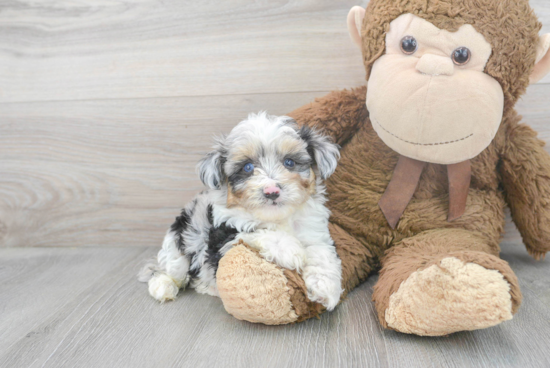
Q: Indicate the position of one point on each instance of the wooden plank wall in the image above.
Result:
(105, 107)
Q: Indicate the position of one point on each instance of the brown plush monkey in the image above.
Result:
(432, 151)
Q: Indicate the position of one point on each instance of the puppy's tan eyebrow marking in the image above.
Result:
(290, 145)
(246, 152)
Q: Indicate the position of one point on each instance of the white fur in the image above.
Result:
(303, 243)
(163, 288)
(278, 247)
(291, 230)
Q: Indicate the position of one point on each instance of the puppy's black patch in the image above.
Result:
(210, 214)
(179, 226)
(217, 238)
(193, 272)
(307, 135)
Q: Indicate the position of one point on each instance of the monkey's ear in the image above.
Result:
(355, 22)
(542, 64)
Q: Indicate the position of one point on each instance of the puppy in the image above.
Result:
(265, 188)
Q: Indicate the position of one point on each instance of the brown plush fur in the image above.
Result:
(525, 177)
(510, 26)
(359, 228)
(365, 170)
(513, 170)
(357, 260)
(303, 307)
(423, 250)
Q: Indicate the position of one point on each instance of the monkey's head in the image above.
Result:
(441, 73)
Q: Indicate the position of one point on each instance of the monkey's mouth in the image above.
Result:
(420, 144)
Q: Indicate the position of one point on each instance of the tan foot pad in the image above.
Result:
(253, 289)
(454, 296)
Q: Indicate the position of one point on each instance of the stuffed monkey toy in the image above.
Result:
(432, 152)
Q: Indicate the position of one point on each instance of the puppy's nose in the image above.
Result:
(272, 192)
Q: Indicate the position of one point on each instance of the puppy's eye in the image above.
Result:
(461, 56)
(248, 167)
(289, 162)
(409, 45)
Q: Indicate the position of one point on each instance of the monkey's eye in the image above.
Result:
(461, 56)
(248, 168)
(289, 163)
(409, 45)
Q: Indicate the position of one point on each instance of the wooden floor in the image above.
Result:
(105, 107)
(82, 307)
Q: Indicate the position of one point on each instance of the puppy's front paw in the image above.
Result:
(163, 288)
(283, 250)
(323, 289)
(283, 257)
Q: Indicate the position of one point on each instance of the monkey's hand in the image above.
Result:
(525, 173)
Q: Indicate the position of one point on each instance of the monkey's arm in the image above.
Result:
(338, 114)
(526, 178)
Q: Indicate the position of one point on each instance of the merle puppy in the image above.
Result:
(265, 183)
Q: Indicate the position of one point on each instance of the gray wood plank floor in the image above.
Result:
(83, 307)
(105, 107)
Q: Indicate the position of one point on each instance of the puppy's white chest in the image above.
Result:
(290, 228)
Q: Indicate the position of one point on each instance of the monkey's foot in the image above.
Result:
(450, 296)
(255, 290)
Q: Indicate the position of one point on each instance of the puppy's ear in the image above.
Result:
(325, 153)
(210, 168)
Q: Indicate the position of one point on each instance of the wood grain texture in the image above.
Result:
(109, 172)
(69, 50)
(84, 308)
(116, 172)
